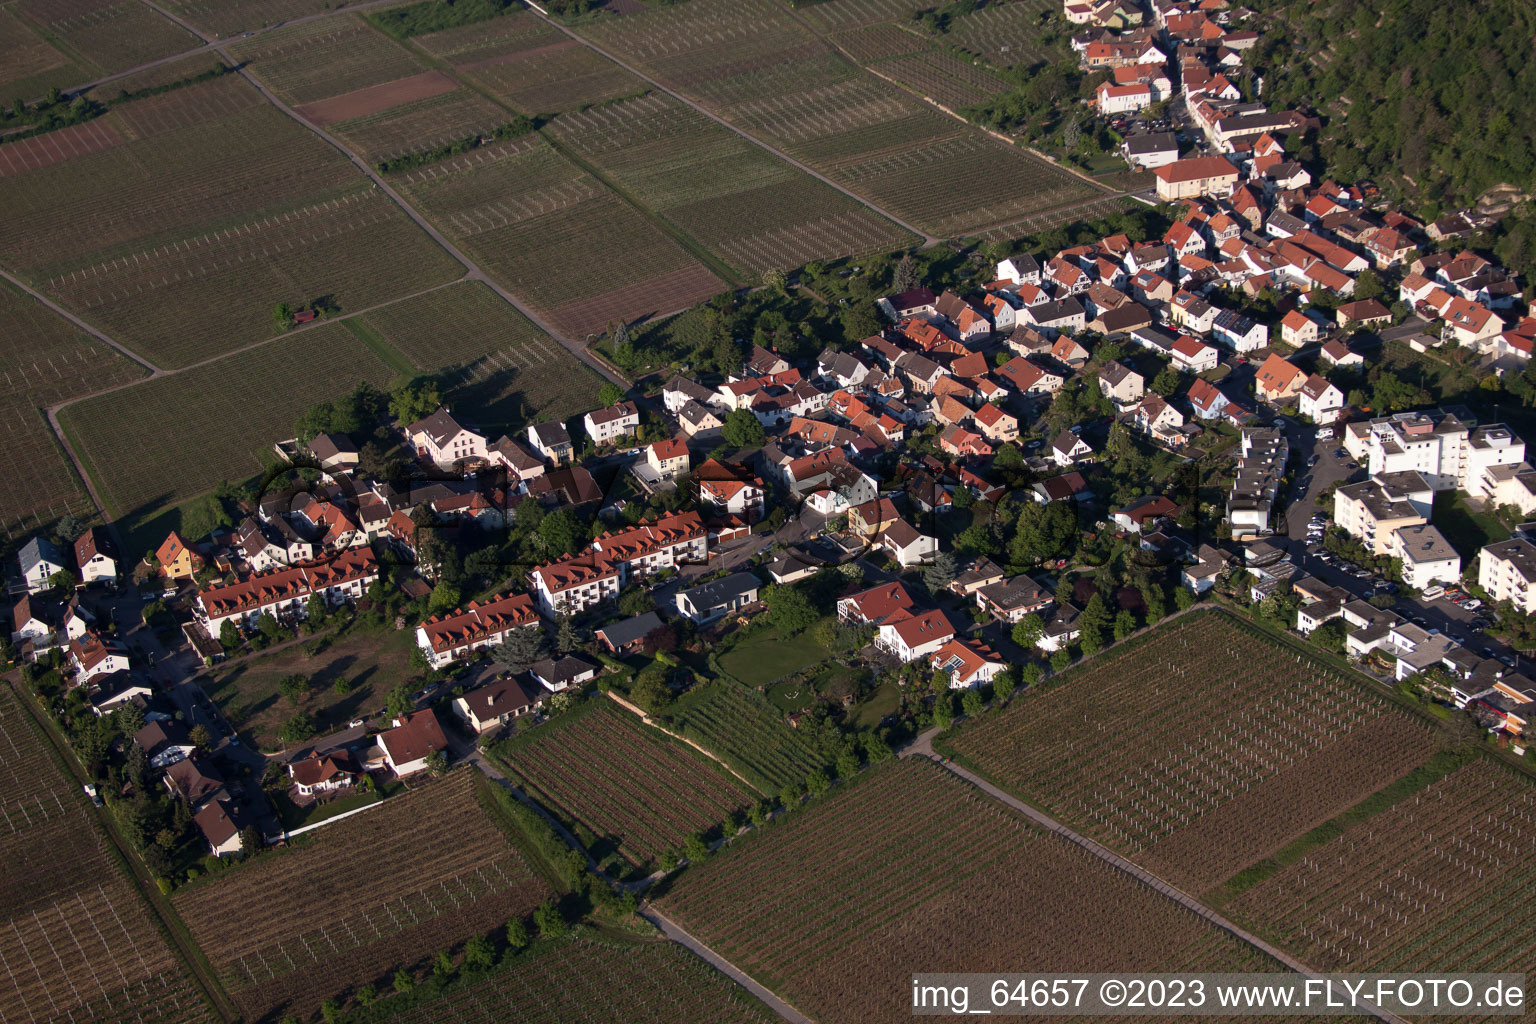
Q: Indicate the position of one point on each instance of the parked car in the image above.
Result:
(1434, 593)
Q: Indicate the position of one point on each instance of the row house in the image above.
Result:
(283, 593)
(456, 635)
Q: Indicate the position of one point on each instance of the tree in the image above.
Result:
(269, 627)
(1368, 286)
(478, 954)
(1166, 382)
(403, 981)
(817, 783)
(282, 316)
(293, 688)
(330, 1011)
(436, 762)
(906, 275)
(970, 703)
(636, 600)
(298, 728)
(414, 400)
(1043, 532)
(567, 636)
(789, 610)
(859, 321)
(520, 648)
(651, 692)
(1184, 598)
(398, 702)
(1028, 630)
(848, 762)
(547, 919)
(741, 429)
(695, 848)
(623, 346)
(1060, 660)
(876, 749)
(229, 636)
(442, 967)
(943, 712)
(941, 571)
(517, 935)
(1125, 624)
(1152, 597)
(250, 841)
(1030, 674)
(445, 598)
(1003, 685)
(609, 394)
(201, 738)
(367, 995)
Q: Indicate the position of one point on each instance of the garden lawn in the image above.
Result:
(372, 661)
(760, 659)
(1468, 531)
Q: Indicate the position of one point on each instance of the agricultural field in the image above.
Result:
(832, 906)
(1011, 34)
(111, 35)
(44, 359)
(942, 78)
(1224, 744)
(836, 15)
(626, 788)
(746, 732)
(551, 233)
(879, 41)
(180, 238)
(305, 924)
(743, 203)
(29, 66)
(485, 43)
(134, 440)
(598, 979)
(331, 57)
(1422, 886)
(752, 63)
(368, 664)
(419, 124)
(225, 19)
(496, 362)
(552, 78)
(77, 942)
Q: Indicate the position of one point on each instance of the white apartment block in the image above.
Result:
(1507, 571)
(1373, 510)
(1427, 556)
(1439, 447)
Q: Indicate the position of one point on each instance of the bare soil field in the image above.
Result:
(374, 99)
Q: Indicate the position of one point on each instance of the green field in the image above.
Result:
(370, 662)
(173, 437)
(44, 359)
(744, 730)
(502, 369)
(764, 657)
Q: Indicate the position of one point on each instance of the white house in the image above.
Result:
(911, 636)
(1320, 400)
(603, 426)
(92, 656)
(93, 554)
(323, 773)
(718, 598)
(907, 544)
(968, 663)
(1068, 448)
(414, 738)
(496, 704)
(480, 625)
(40, 560)
(444, 440)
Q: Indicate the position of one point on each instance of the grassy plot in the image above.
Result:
(764, 657)
(745, 731)
(349, 677)
(1467, 530)
(136, 441)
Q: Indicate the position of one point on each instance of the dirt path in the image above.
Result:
(671, 930)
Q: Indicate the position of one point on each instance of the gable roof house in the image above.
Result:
(728, 489)
(558, 673)
(968, 662)
(194, 779)
(679, 391)
(414, 738)
(95, 557)
(875, 605)
(1191, 356)
(1121, 384)
(1297, 328)
(1011, 600)
(1068, 448)
(40, 559)
(1144, 512)
(164, 743)
(1196, 176)
(444, 440)
(1026, 377)
(996, 426)
(323, 773)
(1066, 315)
(1206, 399)
(604, 426)
(667, 459)
(910, 636)
(696, 418)
(1278, 379)
(91, 656)
(552, 441)
(494, 705)
(908, 545)
(956, 440)
(1320, 400)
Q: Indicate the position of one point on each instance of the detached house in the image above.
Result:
(1297, 329)
(95, 557)
(604, 426)
(493, 706)
(912, 636)
(1121, 384)
(968, 663)
(40, 560)
(414, 738)
(668, 459)
(996, 426)
(1278, 379)
(443, 440)
(728, 489)
(1069, 448)
(551, 441)
(1320, 400)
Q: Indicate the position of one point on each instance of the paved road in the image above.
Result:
(724, 966)
(576, 348)
(928, 240)
(923, 747)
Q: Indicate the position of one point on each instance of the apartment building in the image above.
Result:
(1507, 571)
(1373, 510)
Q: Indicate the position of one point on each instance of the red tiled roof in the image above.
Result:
(415, 737)
(281, 584)
(479, 621)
